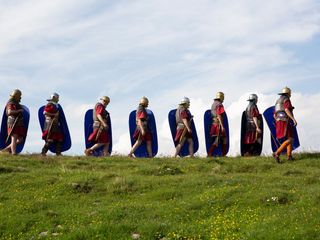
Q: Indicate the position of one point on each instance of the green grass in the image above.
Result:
(162, 198)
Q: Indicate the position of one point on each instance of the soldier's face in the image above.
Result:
(18, 98)
(105, 103)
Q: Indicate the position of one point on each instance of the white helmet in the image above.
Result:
(184, 101)
(54, 97)
(253, 98)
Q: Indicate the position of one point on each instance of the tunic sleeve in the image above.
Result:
(99, 109)
(142, 115)
(49, 108)
(220, 110)
(255, 112)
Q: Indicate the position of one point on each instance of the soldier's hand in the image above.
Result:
(143, 132)
(259, 130)
(189, 130)
(295, 123)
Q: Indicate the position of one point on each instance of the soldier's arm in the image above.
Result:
(102, 121)
(290, 115)
(48, 114)
(139, 123)
(186, 124)
(221, 122)
(255, 120)
(14, 112)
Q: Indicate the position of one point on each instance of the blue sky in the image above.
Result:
(163, 50)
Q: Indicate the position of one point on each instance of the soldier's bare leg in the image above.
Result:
(58, 148)
(46, 147)
(106, 150)
(88, 151)
(149, 148)
(13, 144)
(134, 147)
(179, 146)
(191, 150)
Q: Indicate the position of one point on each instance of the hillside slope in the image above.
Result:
(162, 198)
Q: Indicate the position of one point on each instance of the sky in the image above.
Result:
(164, 50)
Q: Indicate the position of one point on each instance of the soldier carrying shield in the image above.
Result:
(184, 131)
(142, 131)
(100, 135)
(252, 135)
(285, 122)
(15, 125)
(52, 133)
(217, 131)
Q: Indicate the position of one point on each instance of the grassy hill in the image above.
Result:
(162, 198)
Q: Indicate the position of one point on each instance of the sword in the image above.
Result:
(13, 126)
(49, 129)
(184, 132)
(99, 132)
(275, 140)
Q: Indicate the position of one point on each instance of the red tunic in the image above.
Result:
(141, 114)
(251, 132)
(104, 135)
(55, 132)
(184, 114)
(284, 128)
(19, 128)
(215, 127)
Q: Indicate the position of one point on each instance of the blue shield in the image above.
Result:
(257, 147)
(207, 126)
(142, 149)
(4, 129)
(88, 129)
(275, 143)
(173, 127)
(66, 144)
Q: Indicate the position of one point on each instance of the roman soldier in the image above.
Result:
(15, 125)
(142, 131)
(52, 133)
(217, 130)
(285, 122)
(184, 131)
(100, 135)
(253, 132)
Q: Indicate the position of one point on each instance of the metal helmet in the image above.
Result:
(220, 96)
(253, 98)
(54, 97)
(16, 94)
(144, 101)
(286, 91)
(185, 101)
(106, 99)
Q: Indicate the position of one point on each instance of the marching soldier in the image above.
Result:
(184, 131)
(217, 131)
(52, 133)
(142, 132)
(100, 135)
(15, 125)
(253, 132)
(285, 122)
